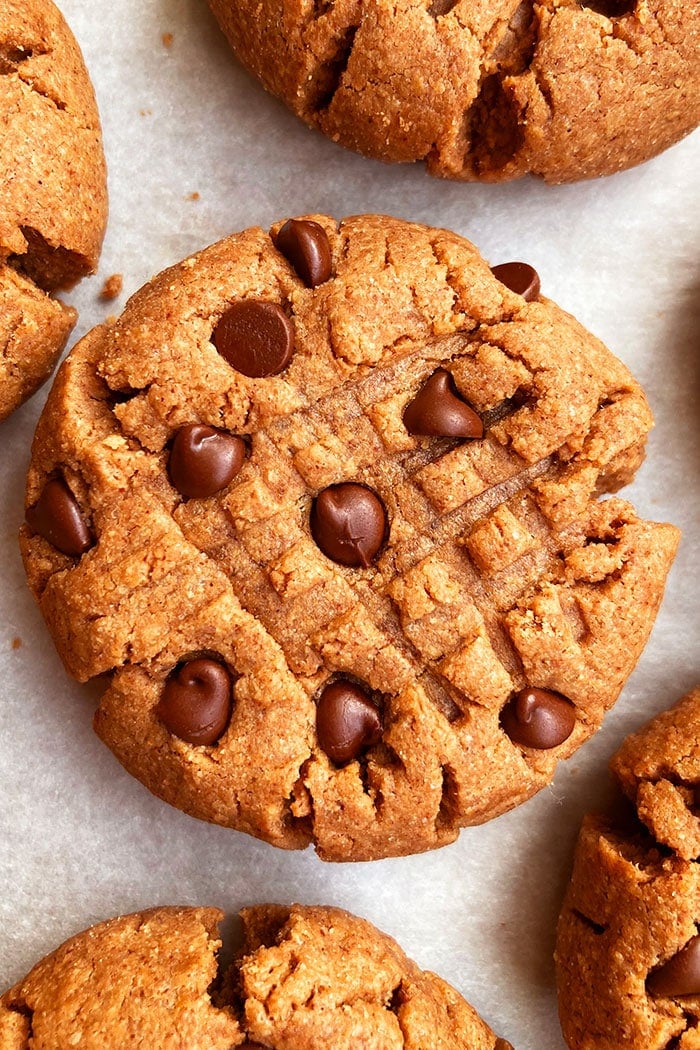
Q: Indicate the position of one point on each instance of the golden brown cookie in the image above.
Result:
(305, 978)
(53, 196)
(565, 89)
(331, 527)
(628, 950)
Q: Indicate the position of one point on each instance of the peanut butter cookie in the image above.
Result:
(323, 505)
(305, 978)
(565, 89)
(53, 204)
(628, 947)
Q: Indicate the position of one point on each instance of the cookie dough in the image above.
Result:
(53, 203)
(628, 949)
(565, 89)
(323, 506)
(305, 978)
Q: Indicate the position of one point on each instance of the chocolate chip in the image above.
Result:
(538, 718)
(348, 522)
(521, 278)
(255, 337)
(204, 460)
(680, 975)
(347, 722)
(305, 245)
(437, 410)
(56, 516)
(196, 701)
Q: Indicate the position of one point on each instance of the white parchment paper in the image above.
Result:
(79, 839)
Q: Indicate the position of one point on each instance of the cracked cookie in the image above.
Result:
(564, 89)
(628, 949)
(322, 504)
(53, 195)
(305, 977)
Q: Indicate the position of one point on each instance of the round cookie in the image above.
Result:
(394, 601)
(305, 977)
(53, 195)
(564, 89)
(628, 950)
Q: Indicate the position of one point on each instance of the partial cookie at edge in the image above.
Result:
(53, 203)
(633, 903)
(306, 977)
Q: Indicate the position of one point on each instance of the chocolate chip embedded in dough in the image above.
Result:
(196, 701)
(680, 975)
(305, 245)
(255, 337)
(204, 460)
(57, 517)
(520, 277)
(348, 522)
(538, 718)
(347, 722)
(437, 410)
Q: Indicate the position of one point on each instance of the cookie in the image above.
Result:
(564, 89)
(53, 196)
(322, 505)
(306, 977)
(628, 950)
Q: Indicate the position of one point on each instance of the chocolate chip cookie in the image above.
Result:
(305, 978)
(53, 204)
(322, 504)
(628, 943)
(565, 89)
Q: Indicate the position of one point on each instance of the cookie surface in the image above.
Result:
(628, 951)
(351, 630)
(53, 204)
(306, 977)
(563, 89)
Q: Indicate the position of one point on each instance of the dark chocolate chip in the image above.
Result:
(255, 337)
(305, 245)
(348, 522)
(204, 460)
(347, 722)
(437, 410)
(538, 718)
(56, 516)
(680, 975)
(196, 701)
(521, 278)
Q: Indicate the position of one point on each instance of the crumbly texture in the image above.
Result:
(501, 568)
(634, 898)
(53, 204)
(306, 977)
(564, 89)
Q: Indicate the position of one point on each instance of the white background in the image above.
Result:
(81, 841)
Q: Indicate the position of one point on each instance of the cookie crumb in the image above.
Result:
(167, 39)
(16, 643)
(112, 286)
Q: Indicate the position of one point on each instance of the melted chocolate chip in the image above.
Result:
(348, 522)
(537, 718)
(437, 410)
(347, 722)
(521, 278)
(56, 516)
(255, 337)
(204, 460)
(196, 701)
(305, 245)
(680, 975)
